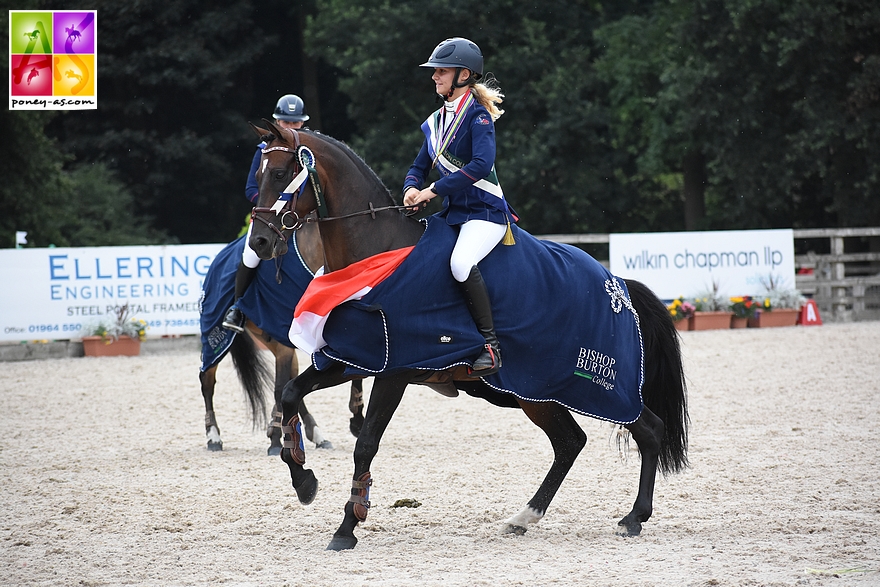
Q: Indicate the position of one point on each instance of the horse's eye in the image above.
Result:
(279, 174)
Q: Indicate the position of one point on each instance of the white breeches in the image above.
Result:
(248, 256)
(476, 239)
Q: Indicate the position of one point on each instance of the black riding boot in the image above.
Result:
(234, 319)
(478, 303)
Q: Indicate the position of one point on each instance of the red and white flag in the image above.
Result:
(325, 292)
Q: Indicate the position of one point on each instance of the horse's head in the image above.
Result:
(284, 199)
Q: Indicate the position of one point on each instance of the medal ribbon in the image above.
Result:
(447, 136)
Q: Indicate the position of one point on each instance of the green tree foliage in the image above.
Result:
(31, 169)
(780, 99)
(771, 106)
(174, 87)
(555, 157)
(177, 83)
(78, 206)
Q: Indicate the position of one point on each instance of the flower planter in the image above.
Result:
(737, 322)
(774, 318)
(710, 320)
(682, 325)
(95, 346)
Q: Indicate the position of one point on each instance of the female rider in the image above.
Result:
(460, 142)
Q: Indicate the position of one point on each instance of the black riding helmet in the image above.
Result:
(459, 53)
(291, 109)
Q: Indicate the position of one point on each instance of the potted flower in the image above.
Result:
(779, 307)
(681, 312)
(711, 311)
(743, 308)
(120, 336)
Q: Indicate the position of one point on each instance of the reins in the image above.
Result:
(305, 167)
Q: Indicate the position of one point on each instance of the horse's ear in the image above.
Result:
(275, 130)
(260, 132)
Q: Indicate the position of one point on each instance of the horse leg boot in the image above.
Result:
(234, 319)
(480, 307)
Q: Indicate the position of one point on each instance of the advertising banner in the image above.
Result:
(60, 293)
(737, 262)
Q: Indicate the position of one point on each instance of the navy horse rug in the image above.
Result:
(266, 303)
(567, 328)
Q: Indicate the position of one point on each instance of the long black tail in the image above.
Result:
(254, 374)
(664, 390)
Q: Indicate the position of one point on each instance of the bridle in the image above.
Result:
(304, 168)
(287, 208)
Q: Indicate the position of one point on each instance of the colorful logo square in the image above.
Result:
(53, 60)
(74, 32)
(73, 75)
(30, 32)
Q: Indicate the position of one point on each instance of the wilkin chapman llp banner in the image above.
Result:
(60, 293)
(736, 262)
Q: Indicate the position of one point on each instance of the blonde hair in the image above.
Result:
(489, 95)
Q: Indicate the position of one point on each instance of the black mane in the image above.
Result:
(355, 158)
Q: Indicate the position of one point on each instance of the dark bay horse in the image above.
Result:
(359, 219)
(255, 376)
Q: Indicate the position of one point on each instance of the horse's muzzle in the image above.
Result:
(267, 248)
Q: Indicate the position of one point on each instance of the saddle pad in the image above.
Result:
(266, 303)
(567, 329)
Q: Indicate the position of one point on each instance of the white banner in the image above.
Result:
(673, 264)
(59, 293)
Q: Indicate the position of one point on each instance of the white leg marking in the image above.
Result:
(519, 523)
(317, 437)
(213, 434)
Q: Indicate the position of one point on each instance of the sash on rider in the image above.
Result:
(447, 164)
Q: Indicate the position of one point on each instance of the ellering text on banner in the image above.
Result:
(60, 293)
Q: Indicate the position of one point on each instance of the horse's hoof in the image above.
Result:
(514, 529)
(308, 489)
(629, 527)
(274, 451)
(342, 543)
(215, 446)
(325, 444)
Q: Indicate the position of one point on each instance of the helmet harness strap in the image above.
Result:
(456, 84)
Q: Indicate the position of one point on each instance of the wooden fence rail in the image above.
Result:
(844, 283)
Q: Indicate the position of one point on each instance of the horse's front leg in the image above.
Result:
(293, 450)
(384, 399)
(647, 431)
(208, 380)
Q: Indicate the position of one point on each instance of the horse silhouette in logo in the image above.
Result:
(34, 73)
(32, 36)
(72, 33)
(71, 74)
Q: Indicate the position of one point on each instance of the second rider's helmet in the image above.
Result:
(291, 109)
